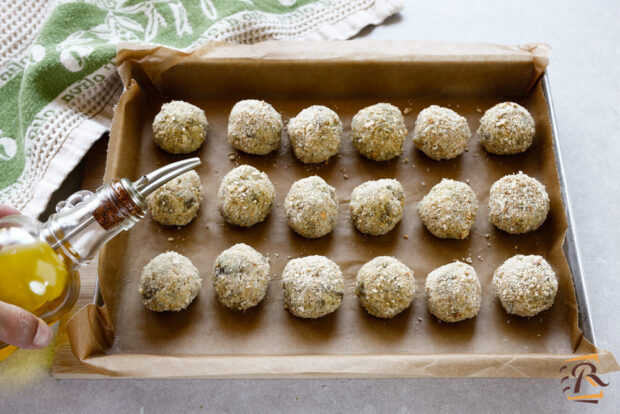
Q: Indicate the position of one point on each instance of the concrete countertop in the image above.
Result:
(585, 83)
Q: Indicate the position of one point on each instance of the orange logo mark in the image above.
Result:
(583, 370)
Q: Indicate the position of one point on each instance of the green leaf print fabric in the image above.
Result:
(58, 80)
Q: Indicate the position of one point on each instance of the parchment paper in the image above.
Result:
(123, 338)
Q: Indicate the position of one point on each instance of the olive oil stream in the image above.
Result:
(33, 277)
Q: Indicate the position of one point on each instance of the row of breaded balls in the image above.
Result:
(378, 131)
(314, 286)
(517, 204)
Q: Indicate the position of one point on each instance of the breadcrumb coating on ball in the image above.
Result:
(179, 127)
(245, 196)
(385, 286)
(169, 282)
(441, 133)
(525, 285)
(453, 292)
(449, 209)
(176, 203)
(254, 127)
(240, 277)
(518, 203)
(313, 286)
(315, 134)
(377, 206)
(507, 128)
(311, 207)
(378, 132)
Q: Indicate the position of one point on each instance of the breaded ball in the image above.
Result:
(169, 282)
(313, 286)
(449, 209)
(176, 203)
(179, 127)
(525, 285)
(518, 203)
(240, 277)
(385, 286)
(311, 207)
(377, 206)
(315, 134)
(245, 197)
(506, 128)
(453, 292)
(379, 131)
(254, 127)
(440, 133)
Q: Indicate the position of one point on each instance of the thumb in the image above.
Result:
(7, 210)
(22, 329)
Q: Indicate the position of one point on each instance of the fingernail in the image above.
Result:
(43, 335)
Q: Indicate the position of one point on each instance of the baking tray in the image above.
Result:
(571, 245)
(461, 62)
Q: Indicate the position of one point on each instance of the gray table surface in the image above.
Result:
(585, 83)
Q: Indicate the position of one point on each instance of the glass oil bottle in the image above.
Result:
(39, 261)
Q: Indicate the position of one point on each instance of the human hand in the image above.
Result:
(17, 326)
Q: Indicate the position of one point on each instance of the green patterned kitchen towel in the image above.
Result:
(58, 80)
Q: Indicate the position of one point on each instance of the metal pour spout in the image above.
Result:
(150, 182)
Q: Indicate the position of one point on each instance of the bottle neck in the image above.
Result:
(80, 230)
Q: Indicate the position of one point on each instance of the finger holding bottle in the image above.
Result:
(22, 329)
(17, 326)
